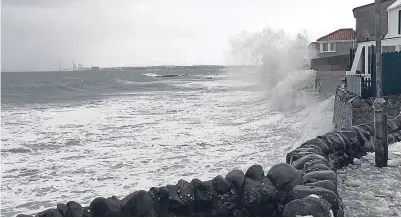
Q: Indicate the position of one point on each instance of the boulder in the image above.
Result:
(203, 197)
(320, 142)
(103, 207)
(251, 197)
(397, 121)
(221, 185)
(319, 176)
(237, 178)
(139, 203)
(296, 155)
(74, 209)
(302, 191)
(317, 167)
(224, 204)
(50, 213)
(308, 206)
(360, 135)
(299, 164)
(282, 174)
(86, 212)
(255, 172)
(269, 198)
(180, 198)
(160, 200)
(324, 184)
(62, 208)
(314, 162)
(392, 126)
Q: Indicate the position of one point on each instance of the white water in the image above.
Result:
(118, 145)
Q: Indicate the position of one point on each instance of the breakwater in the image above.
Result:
(306, 184)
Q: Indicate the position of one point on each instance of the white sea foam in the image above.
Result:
(151, 74)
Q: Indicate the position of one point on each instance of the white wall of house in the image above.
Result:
(394, 19)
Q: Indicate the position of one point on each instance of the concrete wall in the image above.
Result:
(342, 48)
(350, 110)
(326, 82)
(365, 21)
(335, 63)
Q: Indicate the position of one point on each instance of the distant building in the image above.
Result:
(95, 68)
(336, 43)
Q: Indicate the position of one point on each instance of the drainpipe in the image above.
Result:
(380, 104)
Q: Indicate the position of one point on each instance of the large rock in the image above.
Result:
(324, 184)
(296, 155)
(180, 200)
(317, 167)
(319, 176)
(224, 204)
(314, 162)
(49, 213)
(308, 206)
(74, 209)
(397, 121)
(269, 198)
(221, 185)
(252, 196)
(237, 178)
(317, 142)
(255, 172)
(299, 164)
(282, 174)
(392, 126)
(62, 208)
(203, 197)
(160, 200)
(102, 207)
(302, 191)
(139, 203)
(86, 212)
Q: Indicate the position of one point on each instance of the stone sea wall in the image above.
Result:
(305, 185)
(350, 110)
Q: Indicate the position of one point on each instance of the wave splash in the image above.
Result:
(282, 72)
(283, 64)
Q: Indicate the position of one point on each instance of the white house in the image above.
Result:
(394, 21)
(392, 40)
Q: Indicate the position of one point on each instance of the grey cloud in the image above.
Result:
(38, 33)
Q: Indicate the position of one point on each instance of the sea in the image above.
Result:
(78, 135)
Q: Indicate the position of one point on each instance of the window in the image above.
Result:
(328, 47)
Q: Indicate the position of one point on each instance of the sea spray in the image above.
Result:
(282, 71)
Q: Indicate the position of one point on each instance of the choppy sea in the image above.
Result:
(79, 135)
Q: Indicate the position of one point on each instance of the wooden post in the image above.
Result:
(379, 105)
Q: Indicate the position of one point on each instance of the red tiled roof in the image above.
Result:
(341, 34)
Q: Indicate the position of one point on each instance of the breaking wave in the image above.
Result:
(282, 72)
(282, 66)
(163, 75)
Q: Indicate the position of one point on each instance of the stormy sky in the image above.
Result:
(37, 34)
